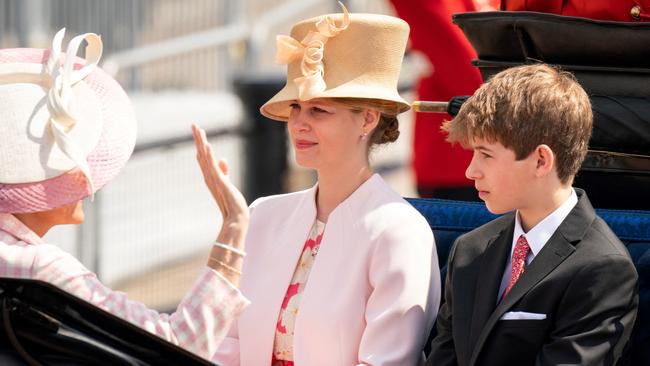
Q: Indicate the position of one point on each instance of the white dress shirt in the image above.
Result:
(537, 236)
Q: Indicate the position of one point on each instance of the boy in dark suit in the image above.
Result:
(547, 283)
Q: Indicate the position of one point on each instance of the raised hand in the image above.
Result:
(231, 203)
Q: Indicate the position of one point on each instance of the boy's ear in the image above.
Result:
(545, 160)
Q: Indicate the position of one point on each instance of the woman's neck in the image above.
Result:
(41, 222)
(34, 222)
(334, 187)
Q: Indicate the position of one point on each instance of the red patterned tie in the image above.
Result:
(518, 261)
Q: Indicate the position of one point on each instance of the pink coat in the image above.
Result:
(372, 293)
(199, 323)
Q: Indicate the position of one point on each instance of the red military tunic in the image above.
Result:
(438, 164)
(619, 10)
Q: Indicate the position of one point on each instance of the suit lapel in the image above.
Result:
(560, 246)
(487, 286)
(556, 250)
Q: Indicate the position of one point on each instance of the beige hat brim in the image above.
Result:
(361, 60)
(279, 106)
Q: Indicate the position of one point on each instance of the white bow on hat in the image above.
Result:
(60, 98)
(67, 127)
(44, 100)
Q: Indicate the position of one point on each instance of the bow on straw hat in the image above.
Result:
(310, 51)
(340, 56)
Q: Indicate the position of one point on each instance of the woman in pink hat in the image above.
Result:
(67, 128)
(346, 272)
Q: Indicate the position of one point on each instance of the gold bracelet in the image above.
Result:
(222, 264)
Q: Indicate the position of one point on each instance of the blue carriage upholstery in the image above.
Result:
(449, 219)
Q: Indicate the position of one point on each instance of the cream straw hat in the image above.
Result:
(67, 128)
(340, 56)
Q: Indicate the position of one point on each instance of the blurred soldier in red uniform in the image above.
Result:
(440, 167)
(618, 10)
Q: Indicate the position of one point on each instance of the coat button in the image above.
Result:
(635, 12)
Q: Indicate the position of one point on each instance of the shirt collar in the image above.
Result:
(542, 232)
(10, 224)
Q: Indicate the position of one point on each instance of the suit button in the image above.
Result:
(635, 12)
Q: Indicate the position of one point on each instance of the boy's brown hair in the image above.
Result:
(524, 107)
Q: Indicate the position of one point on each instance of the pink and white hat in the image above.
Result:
(66, 127)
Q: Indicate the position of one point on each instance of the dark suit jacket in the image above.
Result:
(583, 280)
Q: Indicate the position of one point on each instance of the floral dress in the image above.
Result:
(283, 345)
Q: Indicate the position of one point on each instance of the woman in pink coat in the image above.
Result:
(346, 272)
(67, 128)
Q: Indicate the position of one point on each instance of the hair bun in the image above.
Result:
(391, 131)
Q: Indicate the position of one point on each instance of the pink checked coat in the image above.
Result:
(372, 293)
(198, 325)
